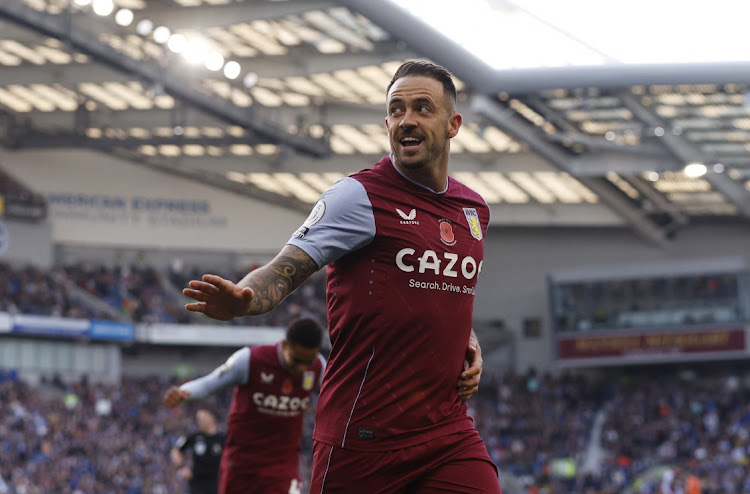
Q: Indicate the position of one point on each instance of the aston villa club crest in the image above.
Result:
(472, 217)
(308, 380)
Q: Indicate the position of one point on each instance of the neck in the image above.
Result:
(433, 177)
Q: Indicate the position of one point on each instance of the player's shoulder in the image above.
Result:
(263, 351)
(372, 173)
(263, 348)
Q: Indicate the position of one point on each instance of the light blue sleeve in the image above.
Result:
(235, 371)
(341, 221)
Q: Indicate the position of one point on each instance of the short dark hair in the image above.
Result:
(213, 413)
(304, 331)
(427, 69)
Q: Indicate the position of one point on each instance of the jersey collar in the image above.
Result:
(393, 164)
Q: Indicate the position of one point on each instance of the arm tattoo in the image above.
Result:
(277, 279)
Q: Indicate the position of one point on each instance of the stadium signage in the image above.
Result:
(62, 327)
(652, 344)
(135, 210)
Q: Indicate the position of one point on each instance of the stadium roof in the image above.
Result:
(566, 121)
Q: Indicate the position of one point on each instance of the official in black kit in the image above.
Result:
(206, 446)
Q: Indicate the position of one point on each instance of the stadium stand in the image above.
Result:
(539, 429)
(32, 290)
(109, 142)
(605, 431)
(84, 437)
(144, 294)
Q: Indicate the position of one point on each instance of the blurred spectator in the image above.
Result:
(31, 290)
(538, 428)
(110, 440)
(144, 295)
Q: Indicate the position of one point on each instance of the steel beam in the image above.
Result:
(734, 191)
(437, 46)
(598, 163)
(57, 26)
(515, 126)
(599, 144)
(297, 63)
(34, 139)
(176, 17)
(327, 114)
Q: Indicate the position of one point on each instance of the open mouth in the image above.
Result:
(410, 142)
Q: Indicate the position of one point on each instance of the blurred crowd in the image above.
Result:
(631, 430)
(664, 428)
(86, 438)
(34, 291)
(657, 435)
(134, 293)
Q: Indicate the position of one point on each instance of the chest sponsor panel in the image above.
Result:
(280, 405)
(435, 245)
(439, 271)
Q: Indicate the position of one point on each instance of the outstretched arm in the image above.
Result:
(258, 292)
(277, 279)
(468, 382)
(233, 372)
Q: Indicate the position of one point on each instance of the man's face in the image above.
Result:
(297, 358)
(205, 420)
(420, 122)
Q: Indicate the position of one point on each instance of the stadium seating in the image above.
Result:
(613, 431)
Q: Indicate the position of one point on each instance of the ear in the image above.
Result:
(454, 123)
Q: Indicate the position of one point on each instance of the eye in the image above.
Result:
(424, 109)
(395, 110)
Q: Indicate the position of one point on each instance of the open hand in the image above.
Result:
(218, 298)
(174, 396)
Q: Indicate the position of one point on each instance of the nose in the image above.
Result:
(408, 122)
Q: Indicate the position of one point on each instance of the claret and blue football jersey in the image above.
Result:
(402, 264)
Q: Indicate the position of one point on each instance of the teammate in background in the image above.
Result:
(206, 445)
(273, 387)
(403, 245)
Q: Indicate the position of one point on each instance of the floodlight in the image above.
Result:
(232, 70)
(103, 7)
(695, 170)
(124, 17)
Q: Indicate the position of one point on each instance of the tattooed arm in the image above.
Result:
(277, 279)
(258, 292)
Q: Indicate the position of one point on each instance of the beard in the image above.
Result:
(410, 163)
(414, 161)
